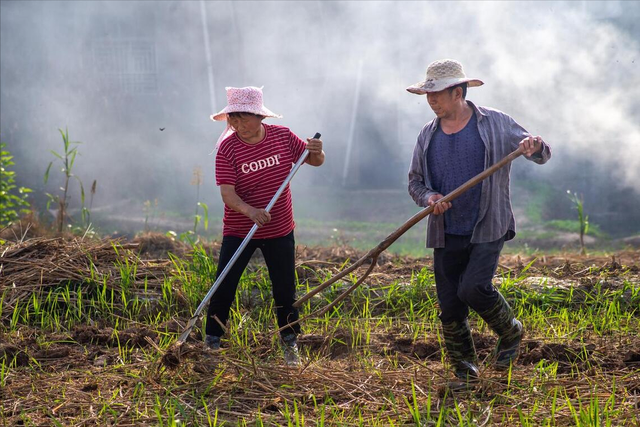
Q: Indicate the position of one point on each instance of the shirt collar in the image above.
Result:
(479, 113)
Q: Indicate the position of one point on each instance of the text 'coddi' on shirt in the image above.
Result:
(260, 164)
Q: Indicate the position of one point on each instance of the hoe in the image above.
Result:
(172, 357)
(374, 253)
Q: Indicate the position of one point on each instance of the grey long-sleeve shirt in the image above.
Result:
(500, 135)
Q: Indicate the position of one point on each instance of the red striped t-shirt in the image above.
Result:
(257, 171)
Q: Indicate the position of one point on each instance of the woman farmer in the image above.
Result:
(253, 159)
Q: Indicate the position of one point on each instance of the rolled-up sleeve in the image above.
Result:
(515, 133)
(542, 156)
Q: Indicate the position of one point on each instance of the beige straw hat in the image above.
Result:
(442, 74)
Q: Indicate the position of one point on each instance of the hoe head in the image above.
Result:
(187, 330)
(173, 356)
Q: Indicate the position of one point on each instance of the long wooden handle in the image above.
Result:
(411, 222)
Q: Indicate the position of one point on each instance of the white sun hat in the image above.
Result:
(442, 74)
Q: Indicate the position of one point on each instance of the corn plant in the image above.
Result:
(86, 212)
(583, 220)
(67, 158)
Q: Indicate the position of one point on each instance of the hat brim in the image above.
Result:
(426, 86)
(264, 111)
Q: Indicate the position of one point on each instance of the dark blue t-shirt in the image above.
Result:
(452, 160)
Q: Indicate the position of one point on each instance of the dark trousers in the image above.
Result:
(279, 255)
(463, 273)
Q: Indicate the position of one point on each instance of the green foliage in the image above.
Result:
(11, 204)
(68, 158)
(204, 218)
(574, 384)
(573, 226)
(583, 220)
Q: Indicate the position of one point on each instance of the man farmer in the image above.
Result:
(468, 234)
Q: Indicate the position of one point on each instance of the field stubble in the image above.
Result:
(84, 325)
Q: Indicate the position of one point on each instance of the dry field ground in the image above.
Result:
(84, 326)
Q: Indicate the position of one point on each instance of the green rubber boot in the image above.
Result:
(462, 354)
(501, 320)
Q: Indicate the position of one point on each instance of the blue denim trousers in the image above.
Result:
(464, 273)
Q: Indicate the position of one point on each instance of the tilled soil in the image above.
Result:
(87, 361)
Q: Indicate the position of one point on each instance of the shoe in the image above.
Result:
(290, 350)
(501, 320)
(212, 342)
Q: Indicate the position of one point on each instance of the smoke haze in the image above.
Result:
(115, 73)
